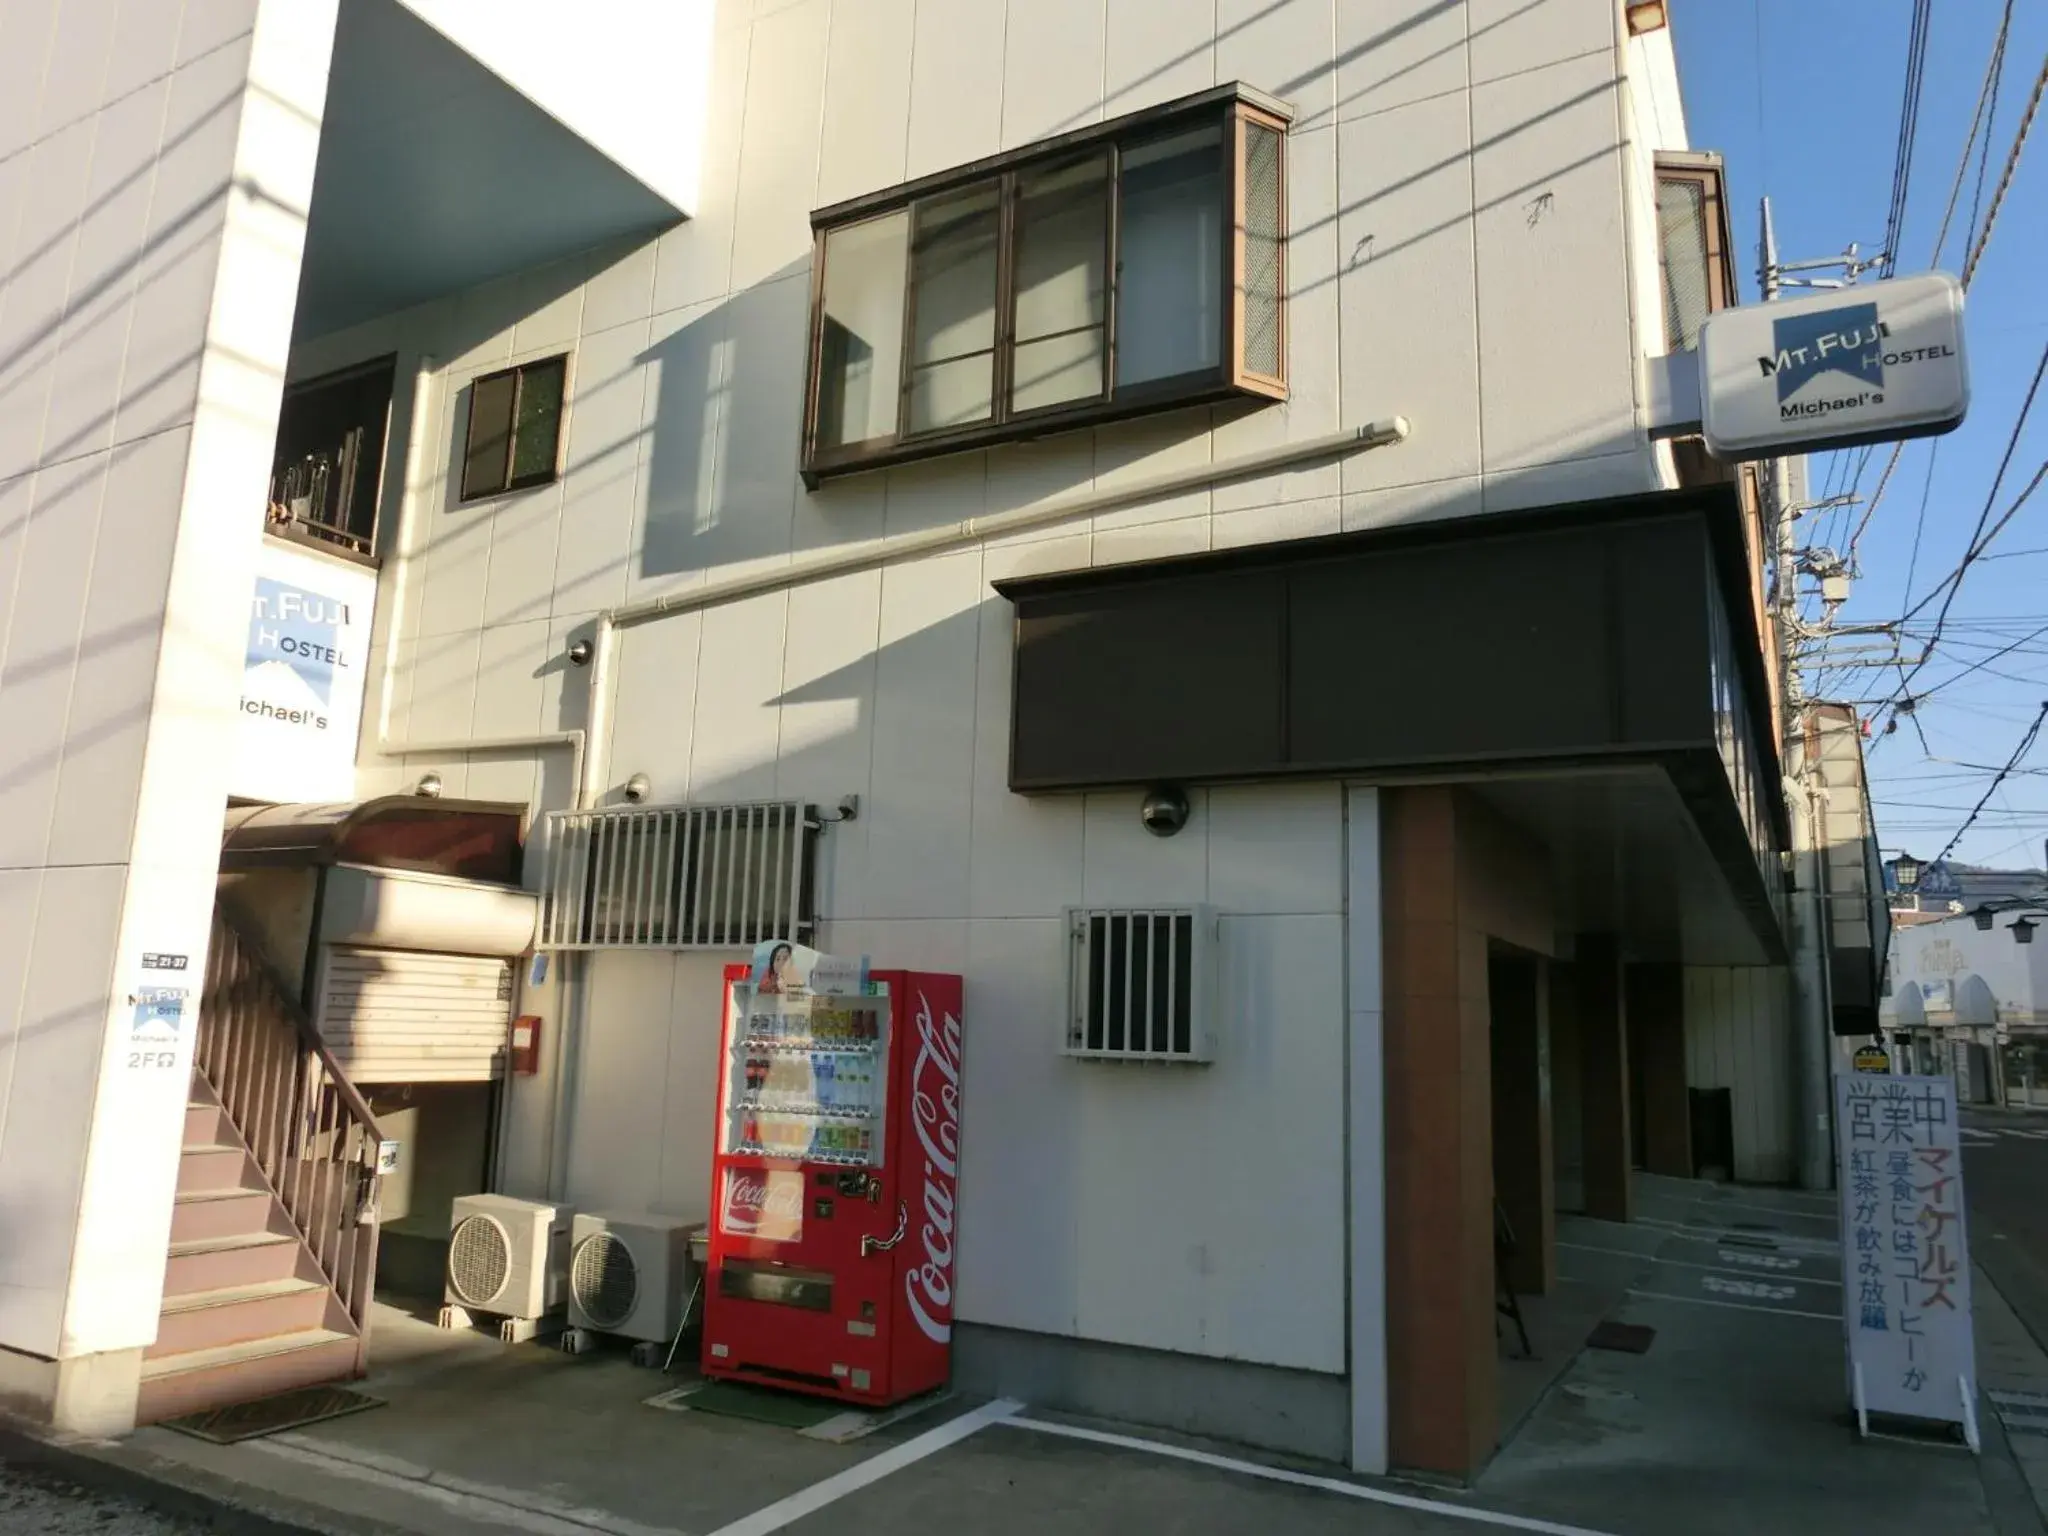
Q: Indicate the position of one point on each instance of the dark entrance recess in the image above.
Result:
(1590, 635)
(1713, 1130)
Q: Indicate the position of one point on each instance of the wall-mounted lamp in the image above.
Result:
(429, 785)
(1982, 917)
(2023, 930)
(1906, 869)
(580, 653)
(638, 788)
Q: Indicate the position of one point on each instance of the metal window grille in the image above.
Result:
(1140, 983)
(678, 877)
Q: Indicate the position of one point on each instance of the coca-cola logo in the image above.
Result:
(764, 1204)
(935, 1116)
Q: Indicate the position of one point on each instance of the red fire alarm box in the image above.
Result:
(526, 1044)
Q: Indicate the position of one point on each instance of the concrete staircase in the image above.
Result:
(246, 1310)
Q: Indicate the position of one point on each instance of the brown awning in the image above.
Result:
(475, 839)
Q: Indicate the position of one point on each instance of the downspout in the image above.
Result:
(825, 565)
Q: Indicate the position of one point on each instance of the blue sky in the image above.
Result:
(1802, 98)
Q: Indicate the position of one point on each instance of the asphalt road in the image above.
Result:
(2005, 1180)
(37, 1501)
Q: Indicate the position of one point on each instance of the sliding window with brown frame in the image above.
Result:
(1135, 267)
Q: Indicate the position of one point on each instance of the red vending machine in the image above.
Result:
(833, 1188)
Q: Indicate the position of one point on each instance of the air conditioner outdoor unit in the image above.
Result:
(506, 1257)
(630, 1274)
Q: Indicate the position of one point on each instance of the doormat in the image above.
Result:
(271, 1415)
(1624, 1338)
(762, 1405)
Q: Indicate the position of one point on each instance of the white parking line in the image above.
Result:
(1304, 1479)
(1734, 1306)
(808, 1501)
(1822, 1213)
(1789, 1277)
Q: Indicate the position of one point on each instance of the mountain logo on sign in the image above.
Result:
(1846, 340)
(300, 631)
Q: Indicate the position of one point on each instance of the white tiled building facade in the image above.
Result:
(1471, 245)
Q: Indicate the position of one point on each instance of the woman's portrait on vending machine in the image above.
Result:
(775, 976)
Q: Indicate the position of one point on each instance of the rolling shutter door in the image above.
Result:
(398, 1016)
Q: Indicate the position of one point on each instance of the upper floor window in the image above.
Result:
(515, 428)
(1695, 263)
(1130, 268)
(1692, 245)
(327, 470)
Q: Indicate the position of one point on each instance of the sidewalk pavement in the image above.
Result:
(1734, 1420)
(2012, 1383)
(1737, 1417)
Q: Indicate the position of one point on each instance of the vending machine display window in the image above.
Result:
(806, 1078)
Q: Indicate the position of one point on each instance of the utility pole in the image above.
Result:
(1808, 903)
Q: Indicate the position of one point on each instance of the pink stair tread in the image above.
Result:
(224, 1244)
(237, 1354)
(229, 1295)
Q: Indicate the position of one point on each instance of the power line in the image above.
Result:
(2012, 161)
(1979, 539)
(1951, 680)
(1987, 93)
(1909, 131)
(1919, 524)
(1986, 109)
(2018, 752)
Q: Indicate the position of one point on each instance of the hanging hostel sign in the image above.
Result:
(1874, 362)
(1905, 1254)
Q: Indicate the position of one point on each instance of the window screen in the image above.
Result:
(1265, 224)
(1682, 241)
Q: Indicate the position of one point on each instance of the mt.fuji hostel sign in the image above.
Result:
(1876, 362)
(302, 677)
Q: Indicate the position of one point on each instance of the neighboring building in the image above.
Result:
(1969, 996)
(813, 470)
(1944, 888)
(1852, 876)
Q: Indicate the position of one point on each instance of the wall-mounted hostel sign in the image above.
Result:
(1875, 362)
(302, 679)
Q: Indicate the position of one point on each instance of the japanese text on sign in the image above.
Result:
(1906, 1286)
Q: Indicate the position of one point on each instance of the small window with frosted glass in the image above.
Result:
(1133, 268)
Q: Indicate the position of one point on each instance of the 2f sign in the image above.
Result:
(1878, 362)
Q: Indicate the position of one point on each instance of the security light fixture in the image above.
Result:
(638, 787)
(429, 786)
(580, 653)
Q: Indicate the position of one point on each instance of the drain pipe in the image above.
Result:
(824, 565)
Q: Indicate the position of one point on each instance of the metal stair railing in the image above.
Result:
(309, 1130)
